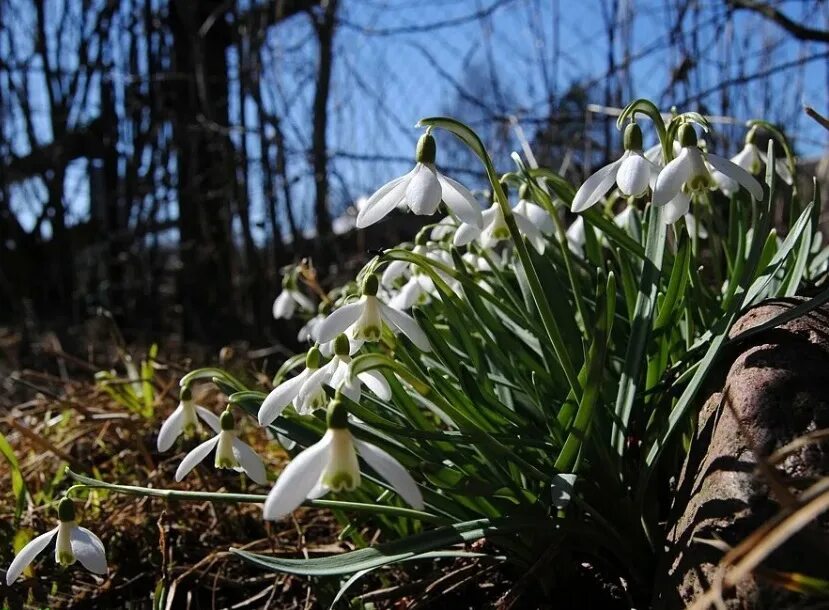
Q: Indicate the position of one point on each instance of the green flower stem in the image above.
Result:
(636, 354)
(547, 318)
(236, 498)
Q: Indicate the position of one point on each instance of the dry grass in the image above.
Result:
(63, 419)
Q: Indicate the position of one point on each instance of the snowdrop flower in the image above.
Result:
(632, 173)
(286, 392)
(337, 375)
(443, 229)
(751, 159)
(308, 332)
(495, 228)
(74, 543)
(687, 174)
(230, 453)
(286, 303)
(331, 465)
(364, 319)
(184, 419)
(421, 190)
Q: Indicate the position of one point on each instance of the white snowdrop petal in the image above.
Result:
(407, 325)
(280, 397)
(781, 167)
(192, 459)
(539, 217)
(670, 180)
(595, 187)
(250, 462)
(314, 383)
(338, 321)
(392, 471)
(375, 382)
(170, 429)
(27, 555)
(382, 202)
(88, 549)
(393, 270)
(303, 301)
(210, 418)
(676, 208)
(634, 175)
(460, 200)
(423, 191)
(284, 306)
(465, 234)
(532, 233)
(298, 479)
(727, 185)
(746, 158)
(737, 173)
(408, 295)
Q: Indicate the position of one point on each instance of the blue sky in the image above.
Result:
(398, 60)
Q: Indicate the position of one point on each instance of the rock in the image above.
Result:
(778, 385)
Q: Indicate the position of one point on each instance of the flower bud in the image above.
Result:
(312, 358)
(633, 137)
(342, 347)
(687, 135)
(371, 284)
(337, 415)
(226, 420)
(426, 149)
(186, 394)
(66, 510)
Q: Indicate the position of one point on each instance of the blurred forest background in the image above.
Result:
(163, 159)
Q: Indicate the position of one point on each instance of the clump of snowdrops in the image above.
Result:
(526, 371)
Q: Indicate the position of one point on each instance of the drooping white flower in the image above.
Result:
(74, 543)
(308, 330)
(633, 172)
(421, 190)
(230, 453)
(364, 319)
(752, 159)
(529, 218)
(688, 174)
(286, 392)
(331, 465)
(286, 303)
(184, 419)
(339, 376)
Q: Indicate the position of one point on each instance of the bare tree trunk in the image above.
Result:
(325, 27)
(203, 164)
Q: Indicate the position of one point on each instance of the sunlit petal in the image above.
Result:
(170, 429)
(298, 479)
(192, 459)
(338, 321)
(460, 200)
(88, 549)
(383, 201)
(392, 471)
(423, 191)
(737, 173)
(595, 187)
(27, 554)
(280, 397)
(670, 180)
(407, 325)
(250, 462)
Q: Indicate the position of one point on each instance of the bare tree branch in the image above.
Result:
(798, 30)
